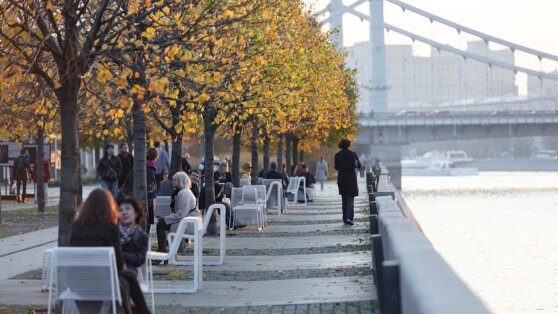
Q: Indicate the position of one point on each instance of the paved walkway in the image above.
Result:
(306, 261)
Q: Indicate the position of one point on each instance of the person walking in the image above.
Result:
(162, 165)
(108, 169)
(45, 163)
(322, 171)
(21, 171)
(346, 161)
(127, 161)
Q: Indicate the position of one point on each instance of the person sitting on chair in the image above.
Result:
(185, 205)
(133, 240)
(96, 225)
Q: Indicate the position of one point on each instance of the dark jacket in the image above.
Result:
(274, 174)
(98, 235)
(127, 162)
(346, 178)
(309, 178)
(128, 186)
(135, 250)
(185, 165)
(109, 169)
(217, 177)
(22, 167)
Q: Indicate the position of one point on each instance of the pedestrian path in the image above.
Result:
(305, 261)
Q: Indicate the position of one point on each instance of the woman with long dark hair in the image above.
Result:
(96, 225)
(346, 162)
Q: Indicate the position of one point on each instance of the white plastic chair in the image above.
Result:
(274, 197)
(84, 274)
(174, 239)
(222, 235)
(294, 187)
(46, 275)
(245, 204)
(261, 200)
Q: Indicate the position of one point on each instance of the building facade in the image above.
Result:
(415, 81)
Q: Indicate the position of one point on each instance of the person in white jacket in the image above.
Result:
(322, 171)
(183, 205)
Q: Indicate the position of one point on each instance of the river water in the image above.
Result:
(498, 231)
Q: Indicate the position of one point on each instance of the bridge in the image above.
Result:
(384, 129)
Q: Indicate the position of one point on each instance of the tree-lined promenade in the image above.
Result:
(128, 70)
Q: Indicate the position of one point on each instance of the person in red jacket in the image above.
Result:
(46, 173)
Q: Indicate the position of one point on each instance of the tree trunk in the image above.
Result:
(235, 170)
(209, 190)
(288, 153)
(254, 149)
(176, 156)
(129, 124)
(266, 155)
(280, 153)
(295, 151)
(301, 155)
(68, 177)
(39, 166)
(79, 198)
(139, 171)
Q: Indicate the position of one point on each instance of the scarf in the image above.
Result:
(126, 233)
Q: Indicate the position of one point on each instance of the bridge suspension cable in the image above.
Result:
(466, 54)
(486, 37)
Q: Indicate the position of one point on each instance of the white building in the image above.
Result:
(540, 88)
(443, 77)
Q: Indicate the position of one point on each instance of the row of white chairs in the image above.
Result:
(65, 269)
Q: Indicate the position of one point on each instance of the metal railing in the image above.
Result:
(410, 276)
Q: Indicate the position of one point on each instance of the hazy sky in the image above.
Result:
(532, 23)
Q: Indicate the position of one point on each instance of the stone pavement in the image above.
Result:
(305, 261)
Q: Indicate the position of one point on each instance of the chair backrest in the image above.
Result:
(274, 193)
(163, 205)
(294, 183)
(209, 213)
(260, 192)
(85, 273)
(244, 182)
(249, 195)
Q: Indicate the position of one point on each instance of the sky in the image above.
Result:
(531, 23)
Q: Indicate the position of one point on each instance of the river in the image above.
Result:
(498, 231)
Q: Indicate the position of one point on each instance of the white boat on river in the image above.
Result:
(440, 163)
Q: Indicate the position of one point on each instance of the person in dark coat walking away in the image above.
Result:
(21, 171)
(346, 161)
(96, 225)
(132, 238)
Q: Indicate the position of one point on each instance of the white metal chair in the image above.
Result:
(244, 182)
(245, 207)
(162, 205)
(222, 235)
(294, 187)
(274, 197)
(261, 190)
(84, 274)
(174, 239)
(46, 275)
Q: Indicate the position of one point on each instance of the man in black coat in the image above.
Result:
(127, 161)
(346, 162)
(274, 174)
